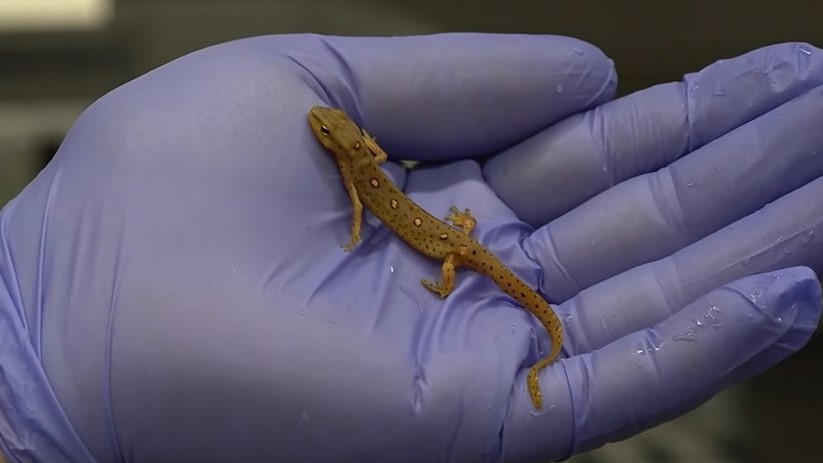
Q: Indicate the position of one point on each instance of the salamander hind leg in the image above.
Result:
(463, 219)
(446, 285)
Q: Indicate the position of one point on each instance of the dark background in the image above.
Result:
(48, 76)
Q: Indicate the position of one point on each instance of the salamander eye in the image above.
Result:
(325, 130)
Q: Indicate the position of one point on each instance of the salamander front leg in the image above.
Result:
(446, 285)
(357, 222)
(371, 143)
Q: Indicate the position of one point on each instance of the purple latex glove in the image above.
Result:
(173, 289)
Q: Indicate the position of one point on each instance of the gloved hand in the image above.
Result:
(173, 289)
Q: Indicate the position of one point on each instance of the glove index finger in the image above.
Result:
(447, 96)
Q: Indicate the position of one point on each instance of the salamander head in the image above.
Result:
(335, 131)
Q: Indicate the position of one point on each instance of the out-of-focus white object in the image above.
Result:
(40, 15)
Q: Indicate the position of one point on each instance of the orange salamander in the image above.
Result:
(359, 157)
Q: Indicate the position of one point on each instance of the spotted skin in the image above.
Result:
(359, 157)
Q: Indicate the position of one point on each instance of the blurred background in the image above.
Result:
(58, 56)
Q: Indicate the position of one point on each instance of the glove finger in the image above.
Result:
(562, 167)
(784, 234)
(664, 370)
(446, 96)
(649, 217)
